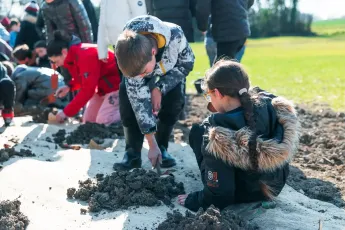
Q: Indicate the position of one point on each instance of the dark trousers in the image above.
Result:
(196, 143)
(228, 50)
(171, 107)
(7, 93)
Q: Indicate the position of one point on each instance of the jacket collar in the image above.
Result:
(232, 146)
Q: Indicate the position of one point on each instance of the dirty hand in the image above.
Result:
(154, 155)
(62, 91)
(181, 199)
(61, 117)
(156, 99)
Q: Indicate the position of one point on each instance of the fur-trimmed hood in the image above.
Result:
(232, 146)
(29, 18)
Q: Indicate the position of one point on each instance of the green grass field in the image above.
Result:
(304, 69)
(329, 27)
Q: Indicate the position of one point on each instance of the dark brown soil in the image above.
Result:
(10, 216)
(6, 154)
(123, 189)
(318, 169)
(85, 132)
(211, 219)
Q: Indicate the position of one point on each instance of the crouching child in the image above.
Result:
(7, 95)
(243, 150)
(155, 58)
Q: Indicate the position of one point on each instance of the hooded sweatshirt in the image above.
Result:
(226, 168)
(177, 60)
(28, 34)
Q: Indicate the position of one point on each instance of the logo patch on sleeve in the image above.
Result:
(86, 74)
(212, 179)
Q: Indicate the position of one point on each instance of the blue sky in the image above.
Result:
(324, 9)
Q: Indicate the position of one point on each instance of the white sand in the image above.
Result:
(30, 179)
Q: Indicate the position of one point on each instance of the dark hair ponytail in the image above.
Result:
(230, 78)
(248, 105)
(60, 41)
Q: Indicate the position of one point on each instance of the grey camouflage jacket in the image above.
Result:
(176, 63)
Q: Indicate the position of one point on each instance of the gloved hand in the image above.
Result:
(61, 116)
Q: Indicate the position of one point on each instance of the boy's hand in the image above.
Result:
(154, 153)
(182, 199)
(62, 91)
(156, 99)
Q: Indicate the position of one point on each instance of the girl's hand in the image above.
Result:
(61, 117)
(182, 199)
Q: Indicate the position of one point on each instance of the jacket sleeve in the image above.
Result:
(82, 20)
(203, 10)
(184, 64)
(102, 40)
(49, 25)
(22, 34)
(21, 88)
(90, 10)
(40, 24)
(90, 71)
(4, 34)
(149, 7)
(139, 96)
(219, 186)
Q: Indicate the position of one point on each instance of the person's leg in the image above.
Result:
(240, 54)
(196, 142)
(109, 111)
(7, 95)
(211, 49)
(92, 108)
(228, 50)
(133, 136)
(171, 107)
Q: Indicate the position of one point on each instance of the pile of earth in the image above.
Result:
(7, 153)
(211, 219)
(123, 189)
(10, 216)
(318, 169)
(85, 132)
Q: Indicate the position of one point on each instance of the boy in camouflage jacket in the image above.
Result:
(155, 58)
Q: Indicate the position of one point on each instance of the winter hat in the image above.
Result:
(6, 22)
(32, 8)
(40, 44)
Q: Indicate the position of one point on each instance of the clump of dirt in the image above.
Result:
(85, 132)
(60, 136)
(6, 154)
(10, 216)
(123, 189)
(211, 219)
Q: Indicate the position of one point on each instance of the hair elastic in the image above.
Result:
(244, 90)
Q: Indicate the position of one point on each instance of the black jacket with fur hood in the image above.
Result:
(226, 169)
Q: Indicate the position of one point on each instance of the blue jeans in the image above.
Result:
(211, 49)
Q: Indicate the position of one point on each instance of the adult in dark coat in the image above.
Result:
(28, 34)
(69, 16)
(91, 13)
(179, 12)
(230, 25)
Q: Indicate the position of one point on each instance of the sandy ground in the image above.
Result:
(40, 183)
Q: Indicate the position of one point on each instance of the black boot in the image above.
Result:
(132, 157)
(162, 138)
(8, 115)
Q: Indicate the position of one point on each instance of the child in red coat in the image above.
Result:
(97, 81)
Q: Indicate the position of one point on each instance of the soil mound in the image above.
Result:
(123, 189)
(10, 216)
(211, 219)
(6, 154)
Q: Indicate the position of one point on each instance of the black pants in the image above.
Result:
(171, 107)
(228, 50)
(196, 143)
(7, 93)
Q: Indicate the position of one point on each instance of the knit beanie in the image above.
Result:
(32, 8)
(40, 44)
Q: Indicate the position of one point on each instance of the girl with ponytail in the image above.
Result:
(97, 81)
(244, 148)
